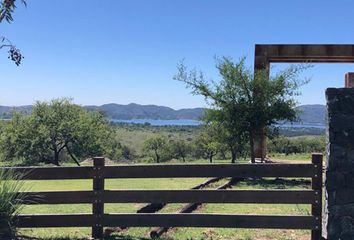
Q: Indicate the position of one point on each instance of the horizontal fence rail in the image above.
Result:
(171, 220)
(99, 196)
(170, 171)
(176, 196)
(53, 173)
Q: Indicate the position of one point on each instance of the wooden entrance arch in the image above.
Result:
(265, 54)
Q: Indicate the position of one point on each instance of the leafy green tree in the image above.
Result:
(293, 145)
(230, 133)
(244, 102)
(206, 143)
(127, 152)
(54, 129)
(157, 145)
(180, 149)
(7, 8)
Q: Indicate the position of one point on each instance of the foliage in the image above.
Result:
(11, 202)
(295, 145)
(158, 145)
(295, 131)
(54, 130)
(229, 134)
(127, 153)
(244, 102)
(7, 8)
(206, 144)
(180, 149)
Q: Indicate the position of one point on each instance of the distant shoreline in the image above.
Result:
(191, 122)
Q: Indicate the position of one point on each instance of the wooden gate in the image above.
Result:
(99, 196)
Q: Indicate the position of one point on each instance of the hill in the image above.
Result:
(137, 111)
(308, 114)
(312, 114)
(6, 111)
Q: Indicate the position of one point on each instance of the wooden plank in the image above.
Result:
(208, 220)
(174, 196)
(169, 220)
(52, 173)
(321, 53)
(316, 207)
(209, 170)
(163, 171)
(98, 205)
(210, 196)
(59, 197)
(43, 221)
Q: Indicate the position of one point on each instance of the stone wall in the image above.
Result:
(339, 206)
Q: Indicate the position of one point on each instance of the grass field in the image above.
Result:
(175, 234)
(290, 157)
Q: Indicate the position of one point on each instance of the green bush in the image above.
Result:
(293, 145)
(11, 202)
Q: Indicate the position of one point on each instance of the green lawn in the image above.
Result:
(175, 234)
(295, 157)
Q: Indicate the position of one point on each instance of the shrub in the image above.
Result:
(294, 145)
(11, 202)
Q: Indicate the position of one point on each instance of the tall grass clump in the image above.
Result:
(12, 199)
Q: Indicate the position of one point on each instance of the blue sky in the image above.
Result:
(104, 51)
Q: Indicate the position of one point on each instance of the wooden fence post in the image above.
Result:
(316, 207)
(98, 205)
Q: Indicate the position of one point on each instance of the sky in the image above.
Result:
(126, 51)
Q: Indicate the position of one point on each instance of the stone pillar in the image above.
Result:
(339, 205)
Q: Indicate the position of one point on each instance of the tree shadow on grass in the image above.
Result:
(278, 183)
(119, 237)
(126, 237)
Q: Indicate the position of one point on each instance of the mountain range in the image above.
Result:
(308, 114)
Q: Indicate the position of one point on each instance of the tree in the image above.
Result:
(206, 142)
(55, 129)
(157, 145)
(180, 149)
(127, 152)
(242, 101)
(7, 8)
(230, 133)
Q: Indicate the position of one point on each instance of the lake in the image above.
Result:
(160, 122)
(191, 122)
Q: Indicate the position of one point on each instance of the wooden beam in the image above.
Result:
(52, 173)
(315, 53)
(59, 197)
(98, 204)
(209, 220)
(169, 220)
(168, 171)
(174, 196)
(209, 170)
(39, 221)
(317, 185)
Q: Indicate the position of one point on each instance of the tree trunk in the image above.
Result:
(183, 159)
(211, 157)
(157, 156)
(253, 158)
(56, 158)
(72, 156)
(233, 155)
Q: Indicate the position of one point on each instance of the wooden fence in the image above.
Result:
(99, 196)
